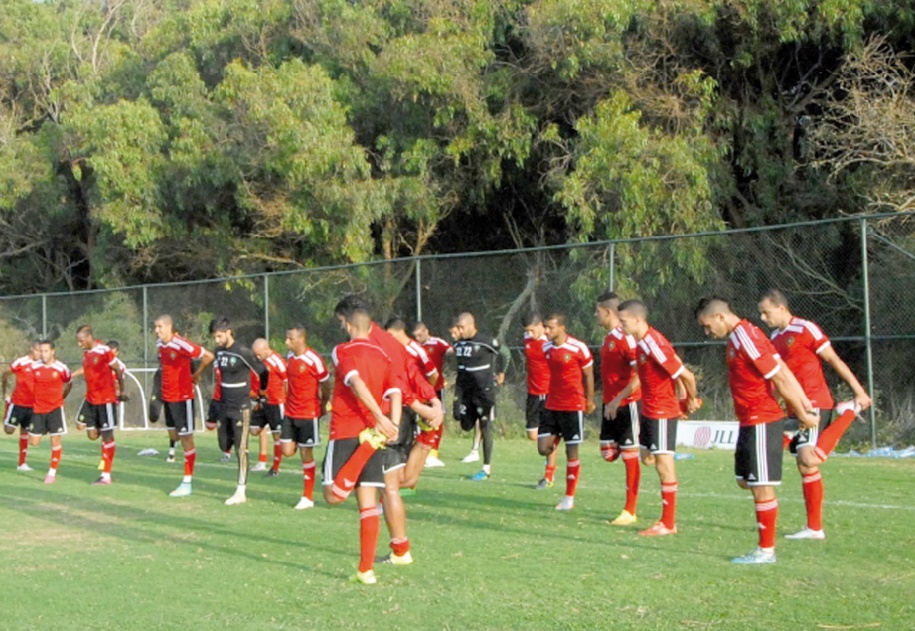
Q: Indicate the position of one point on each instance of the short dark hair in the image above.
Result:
(114, 344)
(607, 299)
(46, 341)
(559, 317)
(533, 318)
(776, 297)
(395, 323)
(349, 304)
(710, 305)
(297, 327)
(636, 306)
(84, 328)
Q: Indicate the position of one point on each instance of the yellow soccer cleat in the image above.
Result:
(371, 435)
(624, 519)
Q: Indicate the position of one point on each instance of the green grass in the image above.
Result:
(491, 555)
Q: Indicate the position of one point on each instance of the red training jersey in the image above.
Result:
(401, 364)
(175, 359)
(437, 348)
(24, 392)
(617, 366)
(800, 344)
(538, 371)
(99, 362)
(369, 361)
(49, 386)
(304, 374)
(276, 380)
(658, 367)
(752, 362)
(421, 359)
(567, 363)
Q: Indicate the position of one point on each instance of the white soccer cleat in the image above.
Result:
(807, 533)
(260, 466)
(24, 467)
(432, 461)
(304, 503)
(238, 497)
(183, 490)
(759, 555)
(366, 578)
(566, 503)
(473, 456)
(392, 559)
(226, 458)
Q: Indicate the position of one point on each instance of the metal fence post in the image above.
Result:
(612, 266)
(145, 328)
(867, 330)
(266, 306)
(419, 289)
(44, 317)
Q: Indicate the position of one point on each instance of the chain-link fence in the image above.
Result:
(854, 276)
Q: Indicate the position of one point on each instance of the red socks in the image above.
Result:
(277, 455)
(108, 450)
(669, 500)
(766, 517)
(573, 470)
(55, 456)
(633, 478)
(549, 472)
(369, 525)
(400, 546)
(609, 451)
(346, 478)
(23, 448)
(190, 457)
(831, 436)
(437, 437)
(813, 499)
(308, 479)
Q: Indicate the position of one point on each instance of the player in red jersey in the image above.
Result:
(52, 385)
(98, 412)
(437, 349)
(308, 391)
(363, 379)
(273, 405)
(621, 393)
(660, 371)
(538, 386)
(570, 397)
(19, 405)
(803, 346)
(754, 368)
(175, 355)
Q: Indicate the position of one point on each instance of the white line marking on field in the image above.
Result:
(748, 497)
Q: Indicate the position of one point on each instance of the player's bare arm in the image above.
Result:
(325, 393)
(790, 390)
(687, 380)
(433, 413)
(613, 407)
(205, 360)
(382, 423)
(588, 376)
(862, 399)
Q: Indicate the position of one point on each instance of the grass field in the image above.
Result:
(492, 555)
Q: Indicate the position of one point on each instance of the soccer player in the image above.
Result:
(237, 369)
(155, 410)
(437, 349)
(660, 371)
(175, 355)
(52, 385)
(308, 384)
(570, 397)
(803, 346)
(272, 409)
(754, 365)
(538, 386)
(619, 429)
(363, 378)
(481, 365)
(474, 455)
(104, 380)
(19, 405)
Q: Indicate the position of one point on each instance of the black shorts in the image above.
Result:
(569, 425)
(179, 416)
(468, 410)
(659, 436)
(622, 429)
(394, 456)
(230, 432)
(268, 415)
(52, 423)
(339, 451)
(534, 410)
(18, 416)
(304, 432)
(807, 437)
(758, 458)
(101, 417)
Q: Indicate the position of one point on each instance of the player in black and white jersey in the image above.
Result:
(481, 364)
(236, 362)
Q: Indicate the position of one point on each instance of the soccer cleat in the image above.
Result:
(366, 578)
(101, 465)
(238, 497)
(807, 533)
(102, 481)
(24, 467)
(50, 479)
(260, 466)
(183, 490)
(170, 458)
(624, 519)
(272, 473)
(392, 559)
(226, 458)
(566, 503)
(658, 530)
(544, 484)
(304, 503)
(473, 456)
(757, 556)
(371, 435)
(432, 462)
(407, 492)
(845, 406)
(479, 476)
